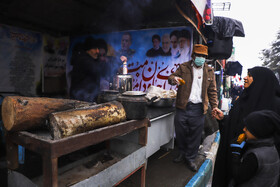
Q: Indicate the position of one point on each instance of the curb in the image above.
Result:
(202, 177)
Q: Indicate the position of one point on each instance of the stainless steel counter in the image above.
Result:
(160, 132)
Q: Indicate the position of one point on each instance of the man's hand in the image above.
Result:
(217, 113)
(178, 80)
(123, 58)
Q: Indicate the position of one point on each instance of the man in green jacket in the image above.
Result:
(197, 88)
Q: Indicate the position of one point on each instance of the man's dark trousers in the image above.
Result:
(189, 126)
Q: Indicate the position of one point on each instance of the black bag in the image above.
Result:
(220, 35)
(219, 47)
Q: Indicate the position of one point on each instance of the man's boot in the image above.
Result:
(179, 158)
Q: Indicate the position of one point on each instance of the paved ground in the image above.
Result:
(161, 171)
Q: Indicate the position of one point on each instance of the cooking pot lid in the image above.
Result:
(110, 91)
(134, 93)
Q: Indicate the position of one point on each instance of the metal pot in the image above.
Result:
(163, 102)
(134, 103)
(123, 83)
(107, 96)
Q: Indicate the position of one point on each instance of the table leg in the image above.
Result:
(143, 135)
(50, 171)
(12, 155)
(143, 175)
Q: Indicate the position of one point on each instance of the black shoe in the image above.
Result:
(191, 165)
(179, 158)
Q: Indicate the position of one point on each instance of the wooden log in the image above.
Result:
(71, 122)
(23, 113)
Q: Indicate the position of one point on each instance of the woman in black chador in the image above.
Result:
(261, 91)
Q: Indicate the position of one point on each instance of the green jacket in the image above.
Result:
(209, 90)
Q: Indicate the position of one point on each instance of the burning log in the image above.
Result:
(22, 113)
(71, 122)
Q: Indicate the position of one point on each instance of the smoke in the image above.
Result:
(121, 14)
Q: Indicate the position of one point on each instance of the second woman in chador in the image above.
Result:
(261, 91)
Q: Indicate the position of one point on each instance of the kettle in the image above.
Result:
(123, 83)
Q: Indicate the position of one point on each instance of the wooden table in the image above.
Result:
(50, 149)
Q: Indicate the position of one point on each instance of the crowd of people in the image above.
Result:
(255, 112)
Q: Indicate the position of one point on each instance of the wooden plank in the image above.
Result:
(29, 141)
(79, 141)
(70, 144)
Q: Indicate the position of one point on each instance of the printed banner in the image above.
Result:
(55, 57)
(21, 60)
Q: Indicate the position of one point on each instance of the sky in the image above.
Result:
(261, 23)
